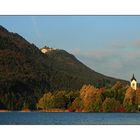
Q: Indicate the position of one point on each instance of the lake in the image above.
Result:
(66, 118)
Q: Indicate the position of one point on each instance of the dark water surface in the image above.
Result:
(41, 118)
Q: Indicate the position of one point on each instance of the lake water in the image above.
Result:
(43, 118)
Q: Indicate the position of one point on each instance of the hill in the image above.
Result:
(26, 72)
(22, 71)
(66, 71)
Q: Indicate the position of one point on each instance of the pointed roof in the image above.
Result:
(133, 78)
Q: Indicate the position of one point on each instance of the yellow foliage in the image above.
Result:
(90, 96)
(130, 96)
(138, 96)
(117, 85)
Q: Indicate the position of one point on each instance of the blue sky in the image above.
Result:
(107, 44)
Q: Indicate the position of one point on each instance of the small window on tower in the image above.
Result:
(133, 84)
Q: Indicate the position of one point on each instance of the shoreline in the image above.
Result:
(57, 110)
(3, 110)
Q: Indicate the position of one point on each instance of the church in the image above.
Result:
(133, 83)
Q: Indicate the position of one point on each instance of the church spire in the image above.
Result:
(133, 78)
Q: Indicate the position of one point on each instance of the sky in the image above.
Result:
(107, 44)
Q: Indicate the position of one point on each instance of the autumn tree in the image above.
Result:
(70, 97)
(110, 105)
(129, 102)
(138, 96)
(117, 85)
(91, 97)
(46, 101)
(117, 92)
(77, 105)
(57, 99)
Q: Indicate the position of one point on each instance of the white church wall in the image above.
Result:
(134, 84)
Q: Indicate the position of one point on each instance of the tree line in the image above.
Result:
(118, 98)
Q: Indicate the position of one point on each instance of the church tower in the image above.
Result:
(133, 82)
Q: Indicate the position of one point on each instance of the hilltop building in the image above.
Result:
(47, 49)
(133, 83)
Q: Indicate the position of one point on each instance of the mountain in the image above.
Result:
(68, 72)
(26, 72)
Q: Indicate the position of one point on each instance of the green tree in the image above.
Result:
(52, 100)
(59, 100)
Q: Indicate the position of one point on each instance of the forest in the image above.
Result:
(118, 98)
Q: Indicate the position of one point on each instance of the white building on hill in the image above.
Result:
(47, 49)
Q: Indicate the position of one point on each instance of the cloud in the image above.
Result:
(136, 43)
(35, 26)
(96, 54)
(119, 45)
(111, 61)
